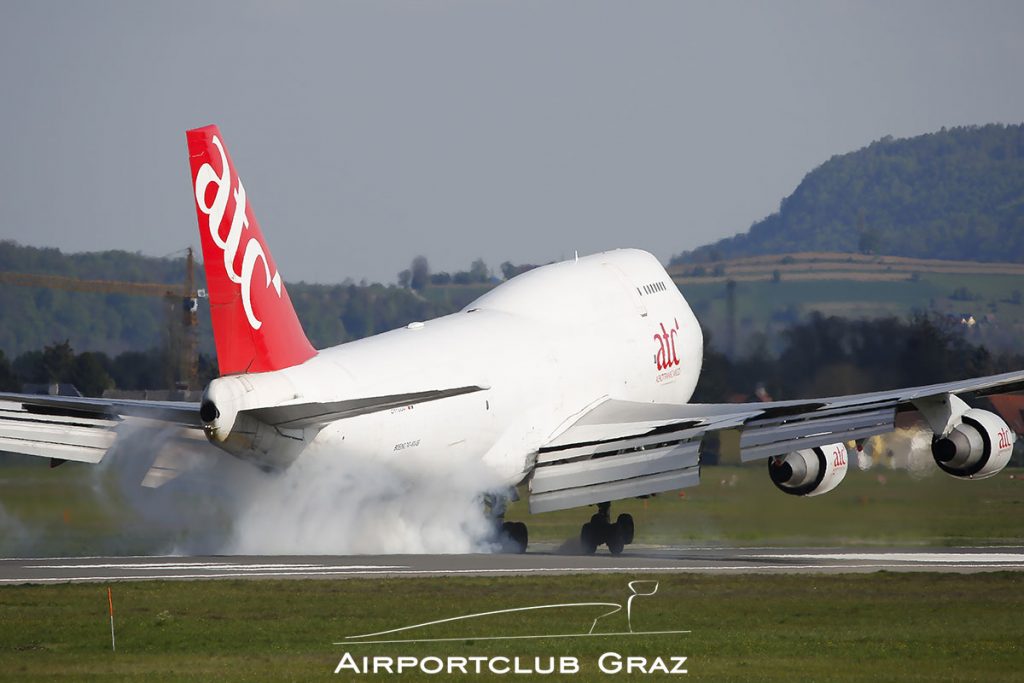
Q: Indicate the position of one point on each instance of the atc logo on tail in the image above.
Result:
(254, 325)
(215, 213)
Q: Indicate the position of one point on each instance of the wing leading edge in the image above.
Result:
(622, 449)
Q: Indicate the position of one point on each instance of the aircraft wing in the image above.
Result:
(83, 429)
(621, 449)
(77, 428)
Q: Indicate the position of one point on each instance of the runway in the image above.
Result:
(541, 560)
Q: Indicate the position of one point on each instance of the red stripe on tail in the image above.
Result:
(254, 325)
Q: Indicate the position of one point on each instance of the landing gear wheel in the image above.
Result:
(625, 524)
(614, 539)
(517, 535)
(589, 538)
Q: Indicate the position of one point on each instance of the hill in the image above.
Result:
(753, 300)
(956, 194)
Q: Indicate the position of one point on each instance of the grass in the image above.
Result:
(919, 627)
(740, 505)
(61, 512)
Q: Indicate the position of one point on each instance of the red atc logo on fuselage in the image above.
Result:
(666, 357)
(666, 360)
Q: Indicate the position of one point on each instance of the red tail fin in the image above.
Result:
(254, 325)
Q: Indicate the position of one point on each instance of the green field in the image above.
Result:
(882, 627)
(67, 511)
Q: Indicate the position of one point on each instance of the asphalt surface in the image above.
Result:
(539, 560)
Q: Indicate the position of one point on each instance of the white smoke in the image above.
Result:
(16, 537)
(325, 503)
(333, 504)
(906, 449)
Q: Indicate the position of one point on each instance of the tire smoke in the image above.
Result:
(325, 503)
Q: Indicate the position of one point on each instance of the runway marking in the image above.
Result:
(216, 566)
(760, 568)
(952, 558)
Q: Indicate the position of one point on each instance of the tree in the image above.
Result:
(479, 272)
(405, 278)
(89, 373)
(420, 273)
(8, 380)
(59, 361)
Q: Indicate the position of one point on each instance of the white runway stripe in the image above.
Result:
(930, 558)
(759, 568)
(212, 566)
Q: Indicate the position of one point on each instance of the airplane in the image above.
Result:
(573, 378)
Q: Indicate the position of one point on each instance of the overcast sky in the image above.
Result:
(369, 132)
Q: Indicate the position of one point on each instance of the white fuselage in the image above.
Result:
(547, 346)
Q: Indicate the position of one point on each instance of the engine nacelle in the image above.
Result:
(228, 426)
(979, 447)
(809, 472)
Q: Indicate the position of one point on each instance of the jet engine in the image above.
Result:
(979, 447)
(810, 471)
(227, 423)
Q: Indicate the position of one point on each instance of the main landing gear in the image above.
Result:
(512, 536)
(601, 530)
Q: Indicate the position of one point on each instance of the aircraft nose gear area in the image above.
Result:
(600, 530)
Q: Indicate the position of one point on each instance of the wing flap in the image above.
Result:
(615, 490)
(60, 438)
(585, 473)
(184, 451)
(764, 440)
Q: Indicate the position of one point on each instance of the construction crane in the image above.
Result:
(182, 302)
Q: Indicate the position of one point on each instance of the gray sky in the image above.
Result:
(369, 132)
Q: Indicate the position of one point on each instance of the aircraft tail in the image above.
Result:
(255, 328)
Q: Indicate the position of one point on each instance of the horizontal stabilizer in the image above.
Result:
(308, 414)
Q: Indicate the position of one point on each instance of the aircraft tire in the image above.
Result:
(517, 535)
(614, 539)
(625, 524)
(588, 538)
